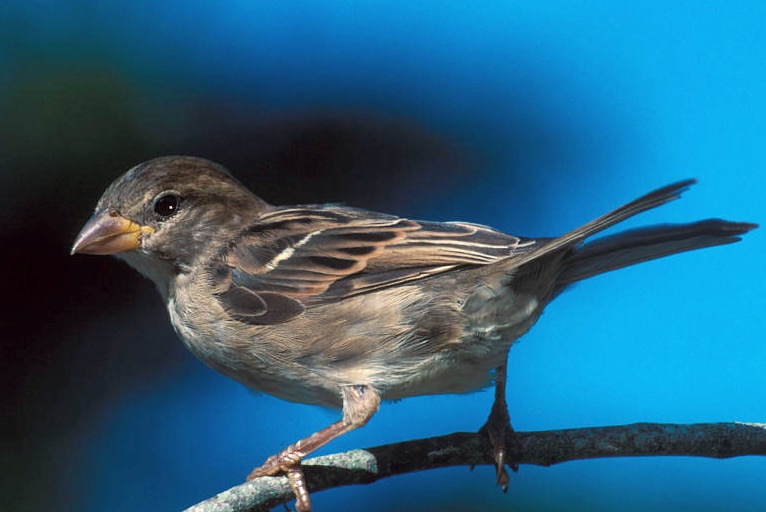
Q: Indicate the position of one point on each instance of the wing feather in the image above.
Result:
(312, 255)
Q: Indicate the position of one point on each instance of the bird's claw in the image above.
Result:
(501, 434)
(283, 462)
(288, 462)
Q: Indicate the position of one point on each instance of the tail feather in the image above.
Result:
(646, 202)
(643, 244)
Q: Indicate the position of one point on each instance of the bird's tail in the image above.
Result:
(583, 260)
(644, 244)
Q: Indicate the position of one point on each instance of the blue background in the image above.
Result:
(533, 117)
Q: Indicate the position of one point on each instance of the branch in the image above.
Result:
(716, 440)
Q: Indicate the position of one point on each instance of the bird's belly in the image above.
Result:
(371, 339)
(467, 365)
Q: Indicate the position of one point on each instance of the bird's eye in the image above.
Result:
(166, 204)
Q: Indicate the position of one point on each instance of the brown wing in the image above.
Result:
(297, 257)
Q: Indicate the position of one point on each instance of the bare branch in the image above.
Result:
(716, 440)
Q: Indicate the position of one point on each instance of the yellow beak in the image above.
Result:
(108, 232)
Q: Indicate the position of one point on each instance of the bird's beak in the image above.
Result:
(108, 232)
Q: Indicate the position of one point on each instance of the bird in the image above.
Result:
(337, 306)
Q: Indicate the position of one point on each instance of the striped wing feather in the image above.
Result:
(295, 257)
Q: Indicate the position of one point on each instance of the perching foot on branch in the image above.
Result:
(499, 430)
(360, 402)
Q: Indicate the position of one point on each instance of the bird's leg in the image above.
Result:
(498, 428)
(360, 402)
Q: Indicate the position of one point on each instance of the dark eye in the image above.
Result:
(166, 204)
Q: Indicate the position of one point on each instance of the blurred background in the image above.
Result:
(533, 117)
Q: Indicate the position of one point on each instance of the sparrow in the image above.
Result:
(344, 307)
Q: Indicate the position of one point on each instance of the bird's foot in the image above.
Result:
(500, 433)
(360, 402)
(288, 461)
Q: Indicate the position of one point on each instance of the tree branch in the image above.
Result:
(716, 440)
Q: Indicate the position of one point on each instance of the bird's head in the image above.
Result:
(165, 214)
